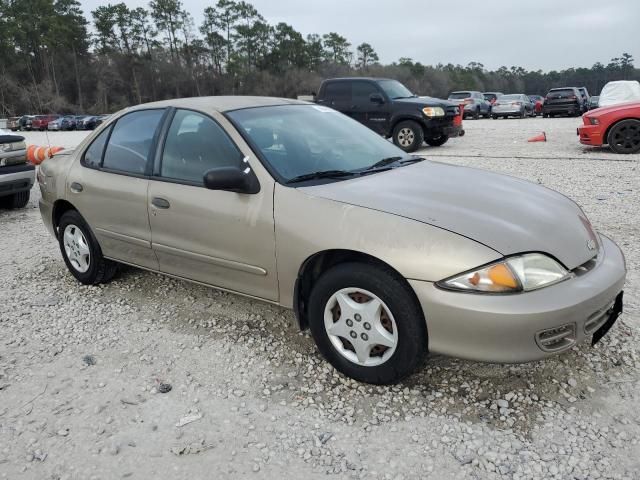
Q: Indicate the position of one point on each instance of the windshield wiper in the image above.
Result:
(321, 174)
(383, 163)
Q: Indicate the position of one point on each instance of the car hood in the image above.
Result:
(504, 213)
(621, 107)
(426, 102)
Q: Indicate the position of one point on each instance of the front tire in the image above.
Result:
(624, 137)
(437, 140)
(367, 324)
(408, 135)
(18, 200)
(81, 251)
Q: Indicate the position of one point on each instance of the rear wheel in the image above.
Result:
(367, 324)
(624, 137)
(81, 251)
(476, 114)
(408, 135)
(437, 140)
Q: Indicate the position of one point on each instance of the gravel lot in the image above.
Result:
(82, 368)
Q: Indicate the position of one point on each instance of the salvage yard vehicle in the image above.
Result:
(584, 93)
(617, 126)
(16, 175)
(491, 97)
(513, 105)
(385, 256)
(538, 102)
(474, 103)
(563, 101)
(390, 109)
(13, 124)
(593, 102)
(41, 122)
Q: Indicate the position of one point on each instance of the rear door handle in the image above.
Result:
(160, 203)
(75, 187)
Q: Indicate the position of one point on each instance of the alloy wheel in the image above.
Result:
(625, 138)
(406, 137)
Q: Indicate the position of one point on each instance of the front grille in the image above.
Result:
(597, 319)
(557, 338)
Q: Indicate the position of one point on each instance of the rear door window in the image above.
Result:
(460, 95)
(131, 141)
(93, 155)
(338, 91)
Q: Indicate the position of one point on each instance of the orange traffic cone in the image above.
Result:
(538, 138)
(36, 155)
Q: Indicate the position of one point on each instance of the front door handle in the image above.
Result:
(75, 187)
(160, 203)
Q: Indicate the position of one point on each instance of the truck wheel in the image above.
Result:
(437, 140)
(408, 135)
(367, 324)
(624, 137)
(18, 200)
(81, 251)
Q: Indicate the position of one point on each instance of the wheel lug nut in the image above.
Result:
(364, 337)
(353, 334)
(349, 322)
(357, 317)
(367, 326)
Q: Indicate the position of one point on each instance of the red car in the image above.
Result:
(617, 125)
(538, 101)
(41, 122)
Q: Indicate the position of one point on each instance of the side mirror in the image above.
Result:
(376, 98)
(231, 179)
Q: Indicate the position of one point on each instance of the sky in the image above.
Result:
(534, 34)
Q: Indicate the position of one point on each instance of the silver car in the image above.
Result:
(513, 105)
(385, 256)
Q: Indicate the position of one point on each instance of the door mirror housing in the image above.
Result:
(376, 98)
(232, 179)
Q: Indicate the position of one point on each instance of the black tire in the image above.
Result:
(437, 140)
(476, 114)
(409, 142)
(495, 117)
(624, 137)
(411, 346)
(100, 269)
(523, 113)
(18, 200)
(545, 115)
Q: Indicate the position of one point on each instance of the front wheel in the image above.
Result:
(81, 251)
(367, 324)
(408, 135)
(624, 137)
(437, 140)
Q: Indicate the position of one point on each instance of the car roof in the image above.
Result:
(220, 103)
(373, 79)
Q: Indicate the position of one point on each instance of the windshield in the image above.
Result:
(301, 139)
(394, 89)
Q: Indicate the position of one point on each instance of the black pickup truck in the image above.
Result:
(391, 109)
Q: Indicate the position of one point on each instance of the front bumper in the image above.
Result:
(508, 328)
(591, 135)
(16, 178)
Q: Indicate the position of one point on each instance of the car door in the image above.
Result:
(220, 238)
(109, 185)
(374, 115)
(337, 95)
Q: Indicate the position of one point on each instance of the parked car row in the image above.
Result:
(55, 122)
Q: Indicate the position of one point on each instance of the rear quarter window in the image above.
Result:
(337, 91)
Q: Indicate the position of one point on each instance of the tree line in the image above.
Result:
(53, 58)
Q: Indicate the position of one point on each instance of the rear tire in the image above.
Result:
(436, 141)
(81, 251)
(624, 137)
(408, 135)
(476, 114)
(394, 317)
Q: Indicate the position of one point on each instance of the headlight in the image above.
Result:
(514, 274)
(594, 121)
(433, 111)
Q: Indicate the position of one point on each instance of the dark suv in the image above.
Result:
(389, 108)
(565, 100)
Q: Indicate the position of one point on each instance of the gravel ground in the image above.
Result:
(83, 369)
